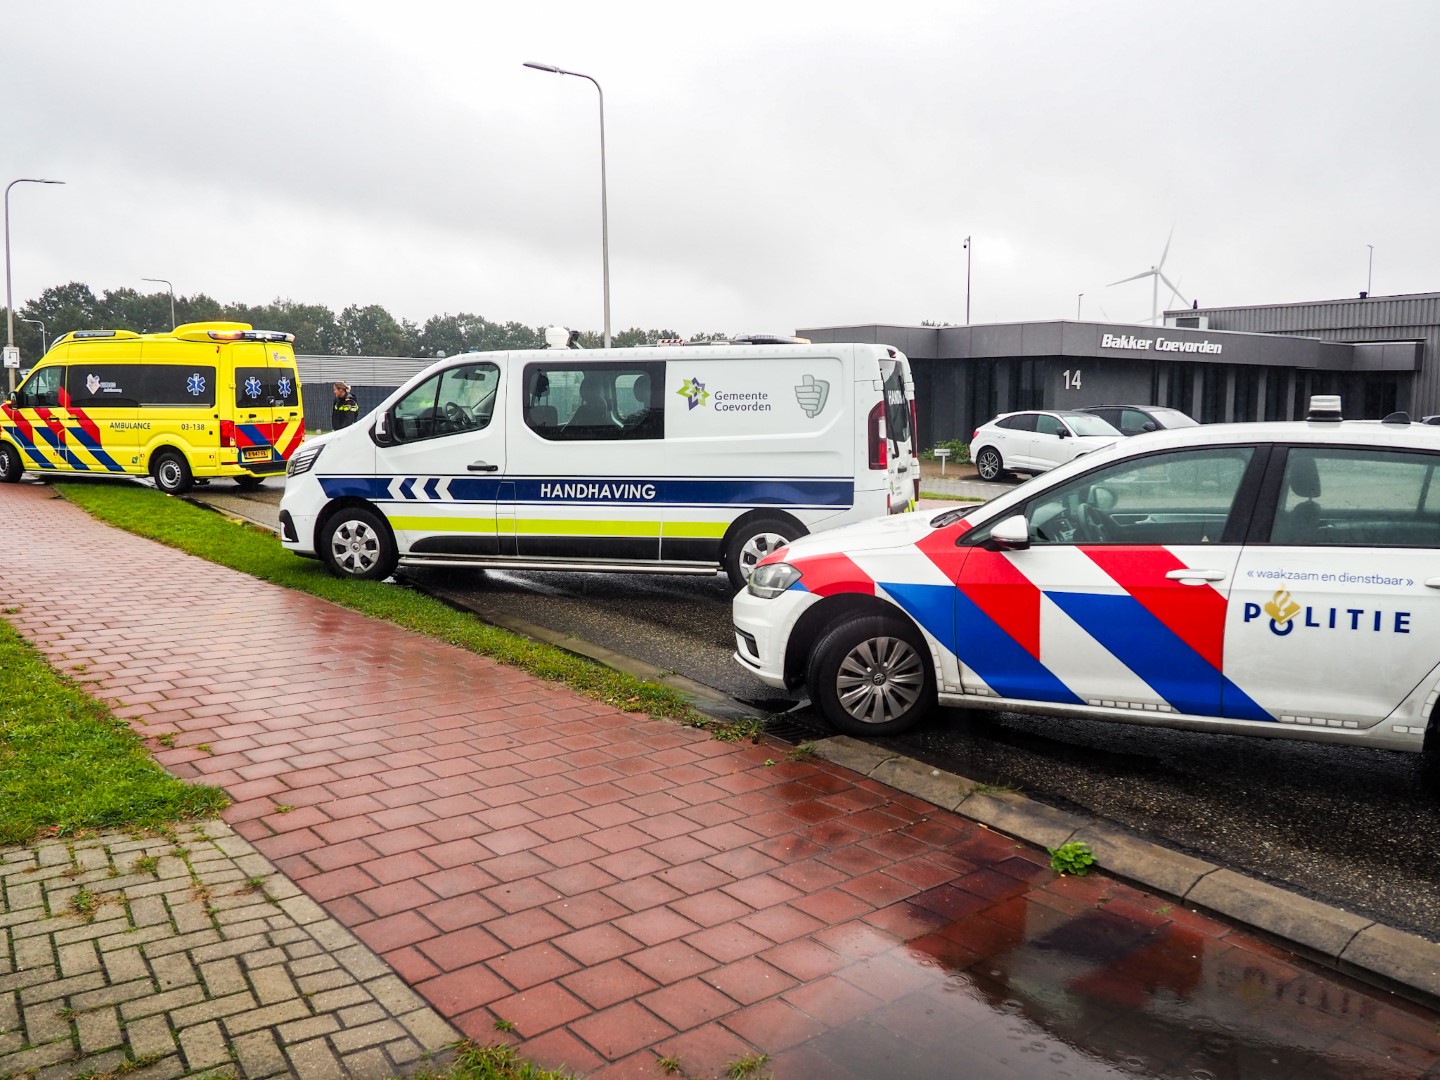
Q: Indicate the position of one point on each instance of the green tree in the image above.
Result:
(373, 331)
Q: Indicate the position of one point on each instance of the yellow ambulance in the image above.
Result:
(209, 399)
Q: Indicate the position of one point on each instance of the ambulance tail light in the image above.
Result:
(227, 433)
(879, 452)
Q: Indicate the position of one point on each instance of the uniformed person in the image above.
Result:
(346, 409)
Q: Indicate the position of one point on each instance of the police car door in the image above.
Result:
(1119, 600)
(1336, 606)
(444, 462)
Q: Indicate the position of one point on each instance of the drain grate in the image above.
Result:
(796, 730)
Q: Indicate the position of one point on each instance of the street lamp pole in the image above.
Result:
(167, 284)
(604, 207)
(1078, 298)
(44, 348)
(9, 304)
(967, 281)
(1370, 272)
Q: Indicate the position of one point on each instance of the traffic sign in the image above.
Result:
(12, 356)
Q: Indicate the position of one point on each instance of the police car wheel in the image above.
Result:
(357, 544)
(10, 467)
(751, 544)
(870, 676)
(989, 465)
(171, 472)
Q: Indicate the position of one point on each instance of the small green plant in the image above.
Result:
(804, 752)
(12, 610)
(748, 1065)
(983, 788)
(146, 864)
(769, 761)
(1073, 858)
(959, 452)
(283, 808)
(739, 731)
(1164, 910)
(166, 740)
(204, 747)
(84, 904)
(67, 1014)
(501, 1024)
(670, 1066)
(253, 883)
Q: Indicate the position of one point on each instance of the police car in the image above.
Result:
(1278, 579)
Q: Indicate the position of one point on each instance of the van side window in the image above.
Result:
(41, 390)
(104, 386)
(458, 399)
(265, 386)
(98, 384)
(579, 401)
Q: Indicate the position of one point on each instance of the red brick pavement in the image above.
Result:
(620, 888)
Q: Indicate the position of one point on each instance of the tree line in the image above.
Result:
(358, 330)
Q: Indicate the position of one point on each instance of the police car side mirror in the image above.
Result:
(1012, 534)
(379, 431)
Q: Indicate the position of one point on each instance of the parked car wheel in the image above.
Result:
(989, 465)
(249, 483)
(171, 472)
(10, 465)
(356, 543)
(752, 542)
(870, 675)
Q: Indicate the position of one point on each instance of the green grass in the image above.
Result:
(66, 764)
(949, 498)
(474, 1062)
(257, 552)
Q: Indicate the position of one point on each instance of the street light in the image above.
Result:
(967, 281)
(9, 304)
(167, 284)
(604, 209)
(44, 348)
(1370, 271)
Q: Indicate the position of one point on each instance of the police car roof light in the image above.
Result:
(1324, 408)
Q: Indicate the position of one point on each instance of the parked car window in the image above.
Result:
(1090, 424)
(1110, 416)
(578, 401)
(1133, 421)
(1018, 422)
(1184, 497)
(456, 400)
(1048, 425)
(1367, 498)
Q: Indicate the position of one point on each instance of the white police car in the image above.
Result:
(1261, 579)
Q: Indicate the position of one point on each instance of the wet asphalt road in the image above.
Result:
(1350, 826)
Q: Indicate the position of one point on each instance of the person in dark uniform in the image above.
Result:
(345, 410)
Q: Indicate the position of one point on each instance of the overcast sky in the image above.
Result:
(771, 165)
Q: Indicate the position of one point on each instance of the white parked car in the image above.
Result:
(1276, 579)
(1036, 442)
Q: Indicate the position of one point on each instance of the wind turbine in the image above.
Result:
(1156, 275)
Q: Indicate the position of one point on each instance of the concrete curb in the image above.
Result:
(1392, 959)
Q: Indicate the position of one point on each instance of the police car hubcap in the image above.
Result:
(356, 546)
(880, 679)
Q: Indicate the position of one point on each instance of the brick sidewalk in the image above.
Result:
(617, 888)
(188, 954)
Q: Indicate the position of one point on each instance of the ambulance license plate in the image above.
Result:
(261, 453)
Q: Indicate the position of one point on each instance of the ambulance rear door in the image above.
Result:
(268, 424)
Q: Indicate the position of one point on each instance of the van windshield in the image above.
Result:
(897, 407)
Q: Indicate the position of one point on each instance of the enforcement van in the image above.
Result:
(677, 459)
(205, 400)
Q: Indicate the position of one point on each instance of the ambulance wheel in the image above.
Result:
(249, 483)
(870, 676)
(10, 466)
(171, 472)
(989, 465)
(356, 543)
(753, 541)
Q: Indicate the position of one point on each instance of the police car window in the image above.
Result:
(414, 414)
(578, 401)
(1337, 497)
(457, 400)
(1177, 498)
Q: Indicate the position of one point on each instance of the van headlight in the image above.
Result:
(303, 460)
(772, 579)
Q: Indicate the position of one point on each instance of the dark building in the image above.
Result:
(1217, 364)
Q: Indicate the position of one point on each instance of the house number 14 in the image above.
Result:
(1072, 379)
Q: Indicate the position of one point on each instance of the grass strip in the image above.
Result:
(495, 1062)
(67, 764)
(257, 552)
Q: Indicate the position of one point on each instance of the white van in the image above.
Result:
(674, 459)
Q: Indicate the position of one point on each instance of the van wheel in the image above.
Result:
(249, 483)
(870, 676)
(10, 466)
(171, 472)
(356, 543)
(989, 465)
(752, 542)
